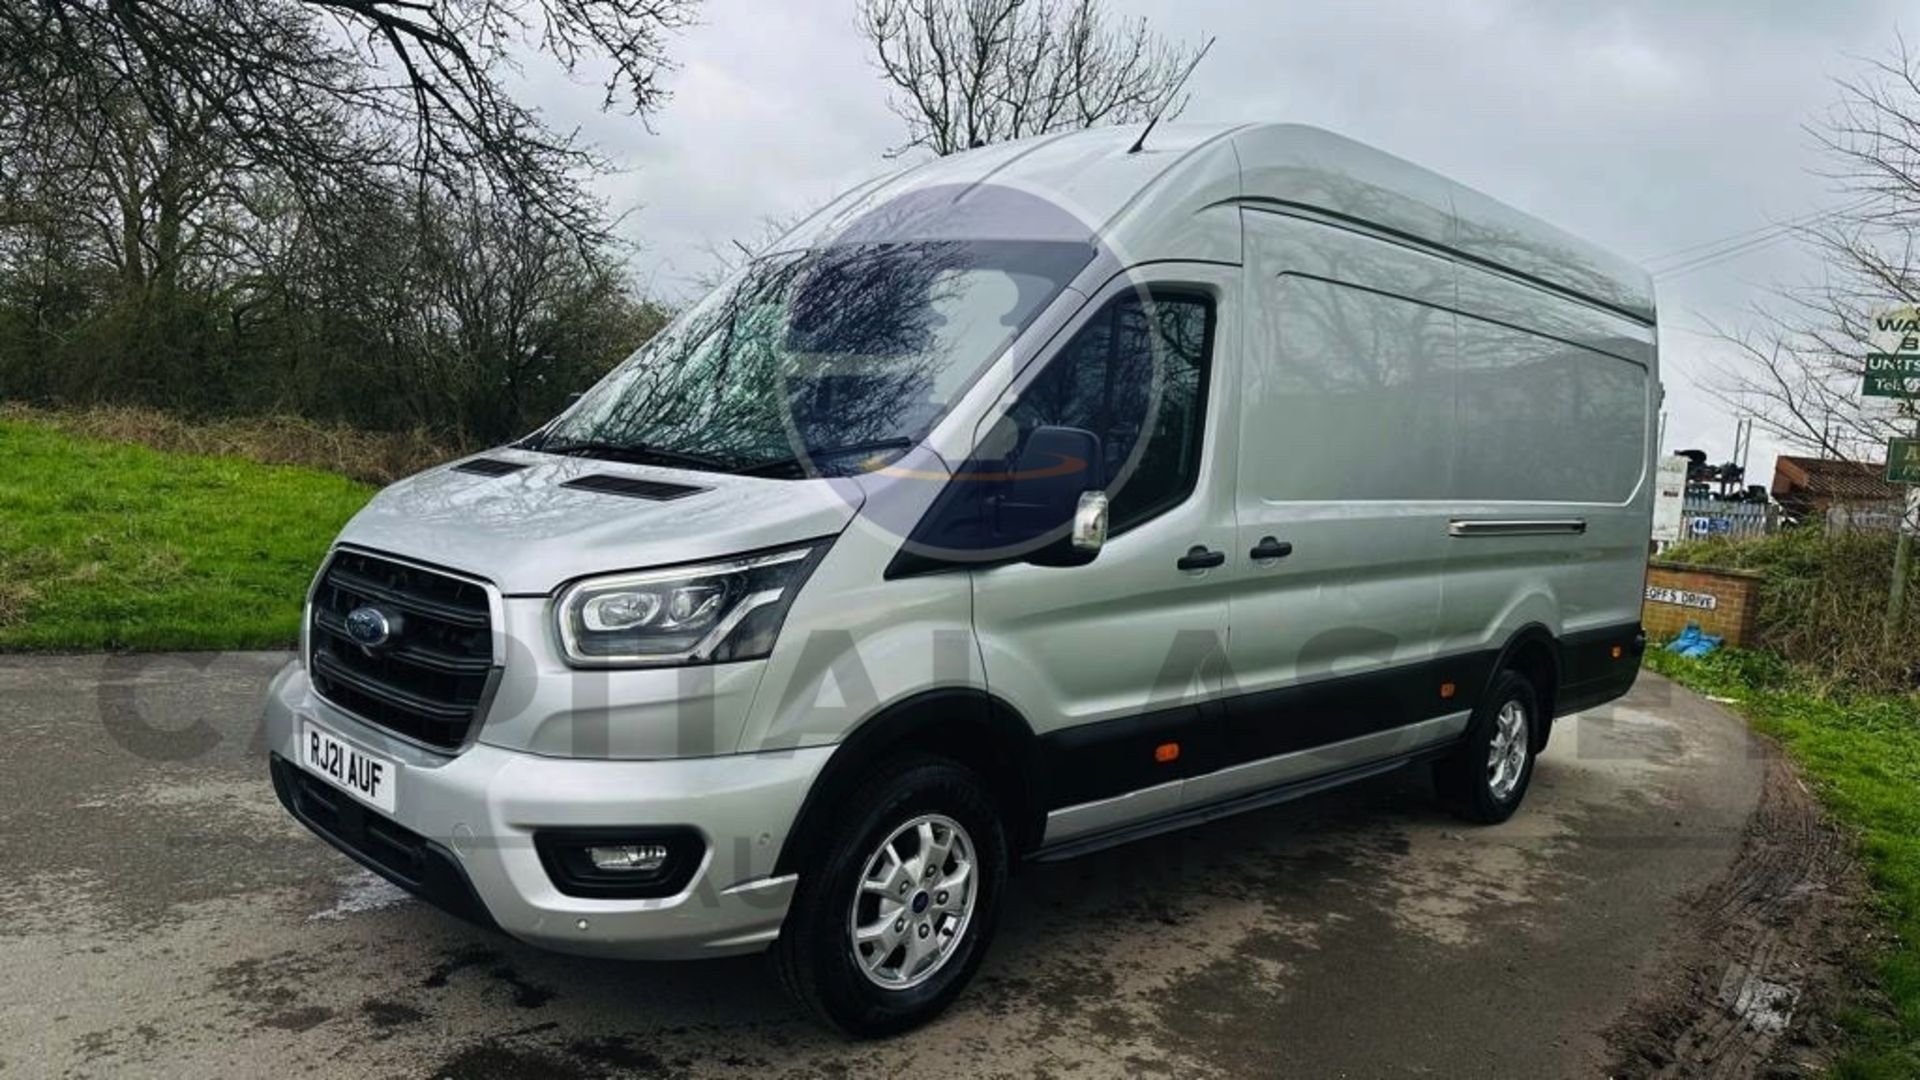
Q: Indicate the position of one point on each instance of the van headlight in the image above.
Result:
(726, 610)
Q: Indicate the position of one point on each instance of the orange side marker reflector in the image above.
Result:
(1447, 689)
(1166, 751)
(1617, 650)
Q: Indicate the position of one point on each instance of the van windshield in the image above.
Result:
(819, 363)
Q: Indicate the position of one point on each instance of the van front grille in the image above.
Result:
(427, 679)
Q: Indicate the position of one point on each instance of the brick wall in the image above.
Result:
(1682, 593)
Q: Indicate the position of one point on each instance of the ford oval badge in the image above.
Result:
(369, 626)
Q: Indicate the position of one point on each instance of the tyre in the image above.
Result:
(1487, 777)
(897, 901)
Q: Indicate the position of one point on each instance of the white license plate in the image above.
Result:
(368, 777)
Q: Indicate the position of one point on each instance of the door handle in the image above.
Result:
(1199, 558)
(1517, 527)
(1269, 548)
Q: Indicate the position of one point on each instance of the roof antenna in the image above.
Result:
(1141, 142)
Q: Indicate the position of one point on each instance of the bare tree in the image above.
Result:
(310, 88)
(723, 260)
(972, 72)
(1797, 365)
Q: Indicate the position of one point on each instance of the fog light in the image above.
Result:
(626, 863)
(628, 858)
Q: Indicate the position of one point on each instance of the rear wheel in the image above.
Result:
(897, 902)
(1486, 778)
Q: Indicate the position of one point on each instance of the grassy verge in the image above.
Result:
(1862, 752)
(105, 545)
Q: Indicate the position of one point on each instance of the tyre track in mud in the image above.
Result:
(1763, 955)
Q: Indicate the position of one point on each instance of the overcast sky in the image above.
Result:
(1645, 126)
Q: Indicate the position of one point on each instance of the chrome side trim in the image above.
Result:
(1516, 527)
(1111, 813)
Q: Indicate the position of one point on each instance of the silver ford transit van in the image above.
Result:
(1023, 503)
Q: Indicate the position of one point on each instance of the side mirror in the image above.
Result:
(1089, 533)
(1084, 540)
(1054, 489)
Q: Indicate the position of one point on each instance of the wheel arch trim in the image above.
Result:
(1010, 738)
(1530, 636)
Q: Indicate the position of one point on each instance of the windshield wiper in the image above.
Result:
(636, 453)
(799, 462)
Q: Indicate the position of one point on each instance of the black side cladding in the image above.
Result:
(1102, 760)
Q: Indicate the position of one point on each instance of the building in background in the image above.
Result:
(1811, 488)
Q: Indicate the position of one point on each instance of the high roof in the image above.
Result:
(1186, 171)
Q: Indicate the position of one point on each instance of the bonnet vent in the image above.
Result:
(488, 467)
(632, 487)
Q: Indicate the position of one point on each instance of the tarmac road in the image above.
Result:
(159, 915)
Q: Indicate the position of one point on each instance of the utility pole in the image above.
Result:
(1902, 563)
(1902, 547)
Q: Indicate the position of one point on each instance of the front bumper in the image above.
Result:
(467, 822)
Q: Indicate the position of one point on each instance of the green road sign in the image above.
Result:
(1892, 375)
(1903, 461)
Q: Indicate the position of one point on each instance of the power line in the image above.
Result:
(1702, 255)
(1773, 226)
(1720, 256)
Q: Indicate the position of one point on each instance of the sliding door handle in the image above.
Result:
(1199, 558)
(1270, 548)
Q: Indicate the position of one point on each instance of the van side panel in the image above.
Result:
(1555, 423)
(1344, 454)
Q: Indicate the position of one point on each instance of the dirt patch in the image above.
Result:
(492, 1061)
(15, 598)
(1764, 956)
(382, 1013)
(582, 1059)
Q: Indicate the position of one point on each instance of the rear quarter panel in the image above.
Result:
(1569, 451)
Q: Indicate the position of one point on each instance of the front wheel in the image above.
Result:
(895, 909)
(1485, 779)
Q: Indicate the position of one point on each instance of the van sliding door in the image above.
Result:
(1343, 468)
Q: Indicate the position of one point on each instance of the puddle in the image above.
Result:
(360, 892)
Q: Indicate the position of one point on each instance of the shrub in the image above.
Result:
(1824, 600)
(373, 457)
